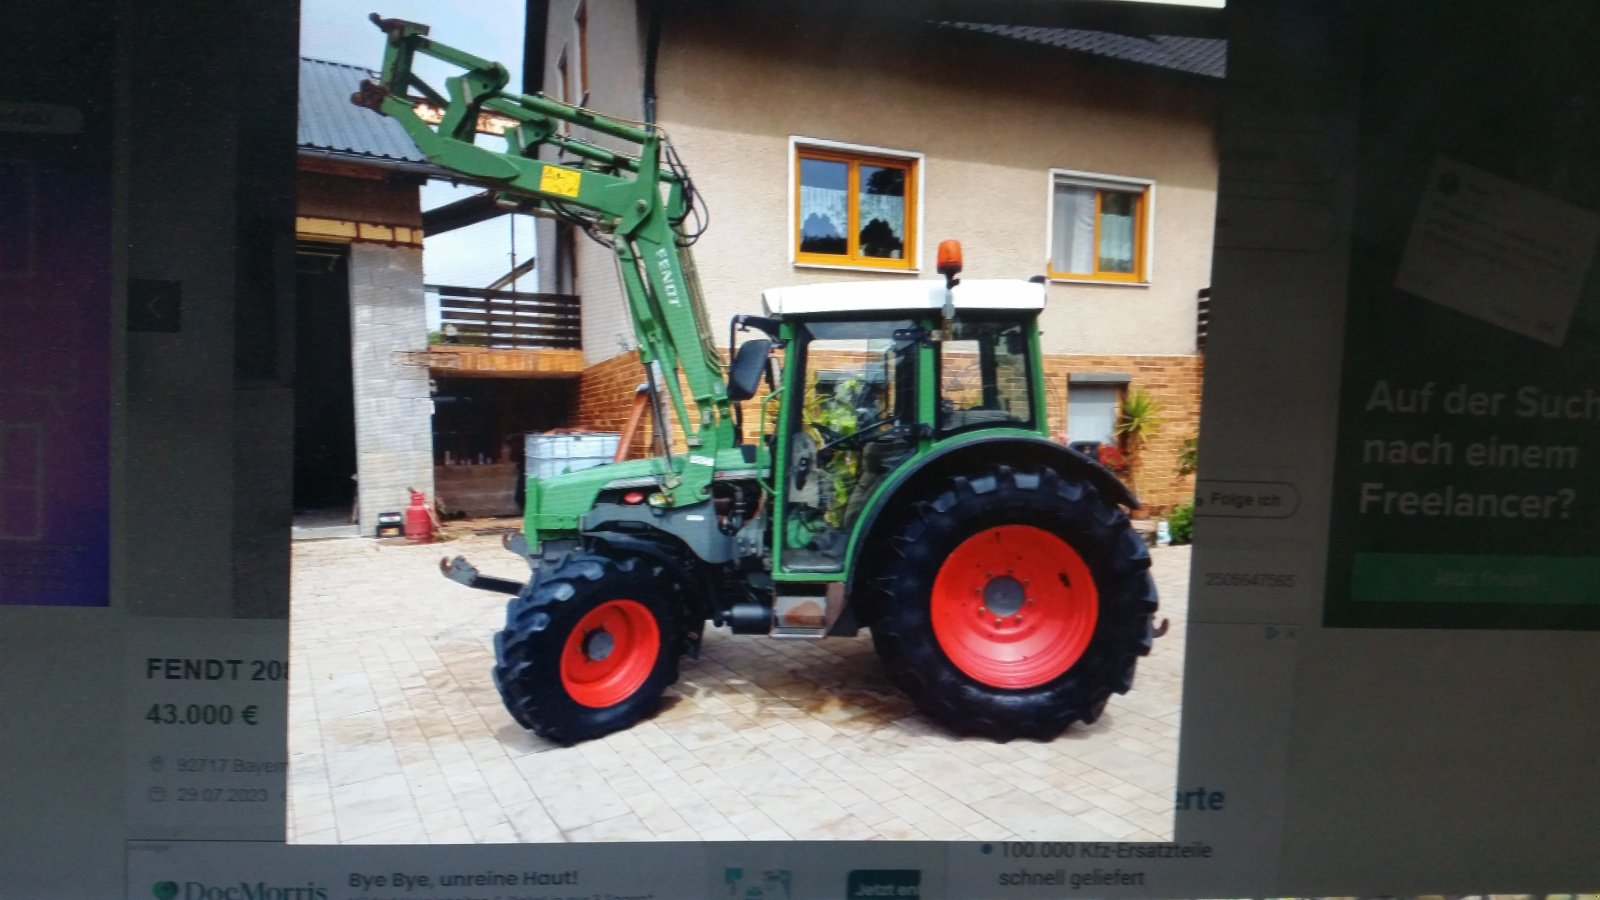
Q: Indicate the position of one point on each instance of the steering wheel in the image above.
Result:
(856, 436)
(872, 431)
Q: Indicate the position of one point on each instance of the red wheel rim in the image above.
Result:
(610, 653)
(1014, 606)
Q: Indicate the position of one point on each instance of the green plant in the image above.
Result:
(1188, 455)
(1181, 523)
(1136, 423)
(1138, 420)
(833, 416)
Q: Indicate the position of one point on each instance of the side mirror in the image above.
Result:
(749, 364)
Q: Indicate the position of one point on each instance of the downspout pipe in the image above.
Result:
(652, 46)
(533, 38)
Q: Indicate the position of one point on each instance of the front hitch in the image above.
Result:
(462, 572)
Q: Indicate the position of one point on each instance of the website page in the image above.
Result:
(388, 509)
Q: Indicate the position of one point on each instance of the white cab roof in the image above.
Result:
(894, 296)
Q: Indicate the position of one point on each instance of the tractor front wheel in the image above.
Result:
(1012, 603)
(588, 647)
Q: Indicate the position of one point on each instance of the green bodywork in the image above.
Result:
(557, 504)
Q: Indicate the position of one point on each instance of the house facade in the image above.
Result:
(845, 148)
(382, 406)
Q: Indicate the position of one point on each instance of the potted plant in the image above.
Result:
(1188, 456)
(1112, 457)
(1180, 522)
(1136, 423)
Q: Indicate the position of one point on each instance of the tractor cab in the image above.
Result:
(877, 375)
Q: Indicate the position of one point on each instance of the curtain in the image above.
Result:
(882, 225)
(1116, 235)
(888, 208)
(824, 212)
(1072, 244)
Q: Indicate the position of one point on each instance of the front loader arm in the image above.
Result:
(640, 200)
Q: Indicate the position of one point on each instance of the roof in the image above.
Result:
(330, 125)
(1194, 55)
(881, 296)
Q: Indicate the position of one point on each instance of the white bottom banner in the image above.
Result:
(197, 870)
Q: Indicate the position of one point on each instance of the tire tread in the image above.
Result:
(900, 594)
(527, 650)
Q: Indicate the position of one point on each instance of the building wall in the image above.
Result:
(1174, 383)
(734, 86)
(394, 415)
(614, 42)
(731, 104)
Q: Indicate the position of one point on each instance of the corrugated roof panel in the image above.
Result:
(329, 122)
(1197, 56)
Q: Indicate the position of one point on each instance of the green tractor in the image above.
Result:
(874, 455)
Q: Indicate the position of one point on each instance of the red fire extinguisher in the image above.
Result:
(420, 523)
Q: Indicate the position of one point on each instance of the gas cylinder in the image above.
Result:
(419, 519)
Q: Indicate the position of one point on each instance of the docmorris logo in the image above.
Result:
(260, 890)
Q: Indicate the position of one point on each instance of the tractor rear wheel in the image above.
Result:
(588, 647)
(1012, 603)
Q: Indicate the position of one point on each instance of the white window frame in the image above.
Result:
(562, 75)
(1077, 178)
(919, 160)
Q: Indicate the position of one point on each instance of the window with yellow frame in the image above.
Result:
(1099, 228)
(854, 209)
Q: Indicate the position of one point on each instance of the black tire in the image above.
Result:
(528, 652)
(900, 589)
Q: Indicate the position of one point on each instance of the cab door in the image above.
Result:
(850, 416)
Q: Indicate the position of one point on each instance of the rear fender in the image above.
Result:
(967, 455)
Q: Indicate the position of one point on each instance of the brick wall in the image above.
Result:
(961, 378)
(605, 400)
(394, 415)
(605, 397)
(1174, 382)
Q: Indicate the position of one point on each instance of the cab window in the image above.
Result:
(985, 376)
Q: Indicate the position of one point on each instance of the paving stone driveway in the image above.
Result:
(397, 734)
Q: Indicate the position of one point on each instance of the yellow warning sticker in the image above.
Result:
(555, 180)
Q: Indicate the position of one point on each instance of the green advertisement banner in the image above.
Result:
(1467, 473)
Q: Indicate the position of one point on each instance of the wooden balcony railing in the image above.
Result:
(508, 320)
